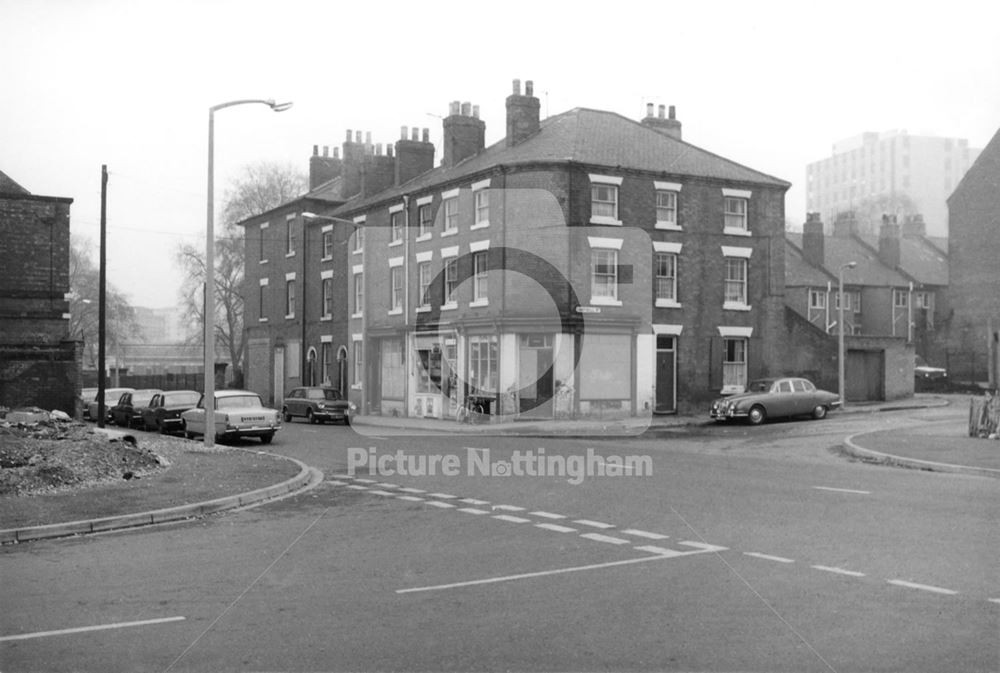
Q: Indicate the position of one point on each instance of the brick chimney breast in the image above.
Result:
(888, 242)
(413, 156)
(523, 118)
(813, 241)
(464, 135)
(323, 168)
(668, 126)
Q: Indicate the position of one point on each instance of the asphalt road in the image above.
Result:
(745, 549)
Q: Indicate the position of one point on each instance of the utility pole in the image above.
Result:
(102, 298)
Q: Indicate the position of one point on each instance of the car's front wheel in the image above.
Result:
(287, 416)
(819, 412)
(309, 417)
(757, 415)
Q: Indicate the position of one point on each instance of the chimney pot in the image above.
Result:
(475, 111)
(517, 87)
(529, 88)
(466, 109)
(368, 138)
(388, 149)
(427, 135)
(315, 150)
(402, 133)
(455, 108)
(414, 133)
(662, 111)
(673, 112)
(357, 137)
(378, 149)
(348, 135)
(336, 152)
(649, 109)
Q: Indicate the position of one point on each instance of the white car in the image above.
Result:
(238, 413)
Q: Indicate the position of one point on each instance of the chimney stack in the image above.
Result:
(888, 242)
(464, 134)
(413, 156)
(522, 113)
(914, 227)
(845, 224)
(668, 126)
(323, 168)
(813, 240)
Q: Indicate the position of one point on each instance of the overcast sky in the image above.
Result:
(771, 85)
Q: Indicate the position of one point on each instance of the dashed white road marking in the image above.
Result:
(556, 527)
(380, 492)
(356, 487)
(645, 534)
(364, 481)
(386, 485)
(511, 518)
(839, 571)
(509, 508)
(704, 546)
(597, 537)
(86, 629)
(663, 551)
(473, 501)
(542, 573)
(922, 587)
(994, 600)
(768, 557)
(447, 496)
(334, 482)
(472, 510)
(412, 490)
(593, 524)
(548, 515)
(438, 503)
(411, 498)
(841, 490)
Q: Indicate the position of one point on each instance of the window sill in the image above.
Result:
(449, 232)
(290, 316)
(667, 303)
(733, 306)
(479, 303)
(289, 254)
(326, 259)
(357, 252)
(393, 244)
(262, 261)
(604, 301)
(422, 309)
(668, 226)
(730, 231)
(480, 225)
(423, 237)
(357, 315)
(600, 219)
(449, 307)
(395, 311)
(355, 386)
(326, 318)
(262, 320)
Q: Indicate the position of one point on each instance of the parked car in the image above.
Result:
(238, 413)
(163, 413)
(87, 395)
(927, 377)
(128, 411)
(773, 398)
(111, 397)
(317, 405)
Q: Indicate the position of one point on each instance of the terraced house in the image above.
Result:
(585, 265)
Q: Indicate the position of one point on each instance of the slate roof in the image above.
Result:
(587, 136)
(918, 259)
(8, 186)
(870, 270)
(799, 272)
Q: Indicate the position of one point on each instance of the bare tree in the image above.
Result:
(84, 284)
(259, 188)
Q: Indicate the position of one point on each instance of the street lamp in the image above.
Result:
(210, 264)
(840, 330)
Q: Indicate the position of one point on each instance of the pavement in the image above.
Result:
(940, 446)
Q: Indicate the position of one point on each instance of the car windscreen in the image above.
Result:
(314, 394)
(141, 399)
(332, 394)
(237, 402)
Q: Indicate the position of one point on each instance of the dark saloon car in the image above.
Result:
(927, 377)
(164, 411)
(317, 405)
(128, 411)
(111, 397)
(774, 398)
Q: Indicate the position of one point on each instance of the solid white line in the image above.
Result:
(556, 527)
(663, 551)
(473, 501)
(509, 508)
(645, 534)
(548, 515)
(437, 503)
(543, 573)
(512, 519)
(411, 498)
(472, 510)
(842, 490)
(597, 537)
(923, 587)
(412, 490)
(593, 524)
(839, 571)
(86, 629)
(442, 495)
(768, 557)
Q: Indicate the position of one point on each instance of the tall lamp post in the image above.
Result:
(210, 264)
(840, 330)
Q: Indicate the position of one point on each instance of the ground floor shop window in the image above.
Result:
(483, 364)
(393, 369)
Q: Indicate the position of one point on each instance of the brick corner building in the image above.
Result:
(39, 364)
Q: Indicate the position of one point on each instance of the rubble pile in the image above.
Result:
(53, 454)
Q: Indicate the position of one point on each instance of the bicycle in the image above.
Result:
(465, 411)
